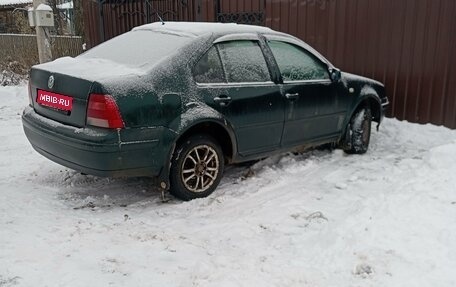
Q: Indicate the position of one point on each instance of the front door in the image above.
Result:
(234, 79)
(313, 111)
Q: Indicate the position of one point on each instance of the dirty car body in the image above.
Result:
(126, 106)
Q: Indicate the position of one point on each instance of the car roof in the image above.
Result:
(197, 29)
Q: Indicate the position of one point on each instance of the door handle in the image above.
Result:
(223, 101)
(291, 96)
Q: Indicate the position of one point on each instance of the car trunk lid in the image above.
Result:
(60, 90)
(60, 97)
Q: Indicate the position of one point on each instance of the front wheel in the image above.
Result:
(358, 132)
(196, 167)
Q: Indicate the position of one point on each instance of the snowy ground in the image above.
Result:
(387, 218)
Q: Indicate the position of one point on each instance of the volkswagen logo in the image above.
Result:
(51, 82)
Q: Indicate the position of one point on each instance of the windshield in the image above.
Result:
(139, 48)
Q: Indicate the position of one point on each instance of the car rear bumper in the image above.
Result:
(96, 151)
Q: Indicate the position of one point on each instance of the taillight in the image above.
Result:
(102, 111)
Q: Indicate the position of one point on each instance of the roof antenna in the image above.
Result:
(161, 20)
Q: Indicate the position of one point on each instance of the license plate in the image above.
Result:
(54, 100)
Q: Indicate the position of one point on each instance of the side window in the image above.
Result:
(243, 61)
(209, 68)
(296, 64)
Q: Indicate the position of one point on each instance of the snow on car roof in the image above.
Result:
(200, 28)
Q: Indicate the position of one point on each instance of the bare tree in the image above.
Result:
(78, 18)
(58, 25)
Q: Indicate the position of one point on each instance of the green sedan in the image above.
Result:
(179, 101)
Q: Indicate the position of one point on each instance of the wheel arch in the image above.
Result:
(365, 99)
(369, 97)
(370, 100)
(215, 127)
(375, 107)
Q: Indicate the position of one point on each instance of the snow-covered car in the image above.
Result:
(179, 101)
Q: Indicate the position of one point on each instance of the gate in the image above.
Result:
(243, 12)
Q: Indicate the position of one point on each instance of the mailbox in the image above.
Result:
(31, 16)
(44, 16)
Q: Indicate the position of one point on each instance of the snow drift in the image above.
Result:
(322, 218)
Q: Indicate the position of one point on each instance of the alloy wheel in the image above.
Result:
(200, 168)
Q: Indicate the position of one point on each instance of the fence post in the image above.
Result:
(43, 39)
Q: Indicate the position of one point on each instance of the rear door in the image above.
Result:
(234, 79)
(314, 110)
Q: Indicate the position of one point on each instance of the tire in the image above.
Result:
(196, 167)
(358, 132)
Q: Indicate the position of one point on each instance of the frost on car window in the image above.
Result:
(140, 48)
(209, 68)
(243, 61)
(295, 64)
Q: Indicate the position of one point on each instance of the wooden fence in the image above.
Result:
(23, 48)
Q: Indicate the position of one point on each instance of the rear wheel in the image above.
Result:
(196, 167)
(358, 132)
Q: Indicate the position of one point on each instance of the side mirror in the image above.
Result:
(335, 74)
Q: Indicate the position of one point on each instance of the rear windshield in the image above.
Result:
(141, 48)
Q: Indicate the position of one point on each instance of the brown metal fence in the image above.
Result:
(409, 45)
(23, 48)
(108, 18)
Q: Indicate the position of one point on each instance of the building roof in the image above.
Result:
(63, 6)
(66, 5)
(14, 2)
